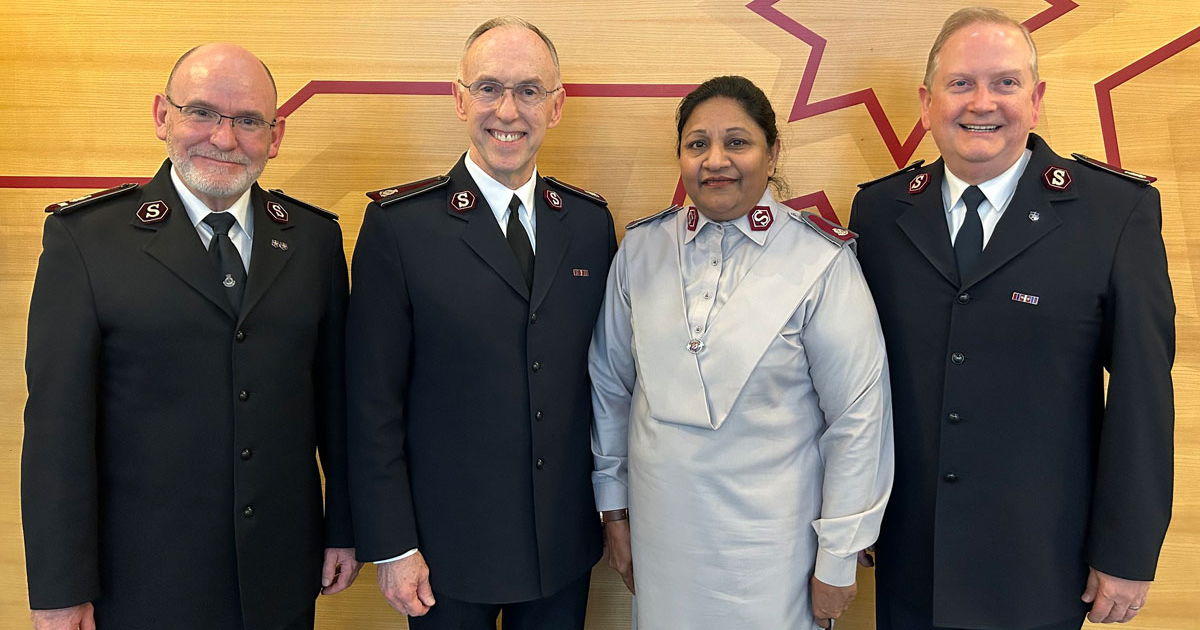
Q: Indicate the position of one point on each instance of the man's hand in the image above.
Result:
(620, 550)
(829, 602)
(1113, 599)
(80, 617)
(339, 570)
(405, 585)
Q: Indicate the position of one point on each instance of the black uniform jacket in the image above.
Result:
(169, 467)
(470, 403)
(1013, 474)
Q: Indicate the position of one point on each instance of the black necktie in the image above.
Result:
(226, 257)
(969, 242)
(519, 241)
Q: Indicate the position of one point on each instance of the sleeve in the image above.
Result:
(378, 360)
(611, 365)
(59, 475)
(1132, 497)
(331, 400)
(848, 367)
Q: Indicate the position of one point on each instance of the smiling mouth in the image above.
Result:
(980, 128)
(717, 181)
(507, 136)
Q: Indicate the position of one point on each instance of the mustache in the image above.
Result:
(216, 154)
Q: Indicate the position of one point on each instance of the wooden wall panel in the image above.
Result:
(79, 76)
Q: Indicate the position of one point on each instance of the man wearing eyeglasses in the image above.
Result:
(185, 364)
(474, 297)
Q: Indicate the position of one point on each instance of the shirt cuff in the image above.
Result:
(610, 495)
(399, 557)
(834, 570)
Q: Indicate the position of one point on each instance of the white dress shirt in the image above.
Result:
(498, 197)
(998, 192)
(242, 232)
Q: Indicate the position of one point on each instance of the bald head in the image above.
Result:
(208, 54)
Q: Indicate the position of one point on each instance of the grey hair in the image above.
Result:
(963, 18)
(510, 20)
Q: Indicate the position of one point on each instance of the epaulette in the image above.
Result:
(586, 194)
(304, 204)
(832, 232)
(1144, 180)
(636, 222)
(911, 167)
(392, 194)
(71, 205)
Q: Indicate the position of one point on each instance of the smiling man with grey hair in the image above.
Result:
(470, 408)
(186, 367)
(1009, 280)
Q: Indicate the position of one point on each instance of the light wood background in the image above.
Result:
(77, 80)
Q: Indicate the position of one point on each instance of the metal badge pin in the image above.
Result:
(695, 346)
(229, 281)
(1034, 215)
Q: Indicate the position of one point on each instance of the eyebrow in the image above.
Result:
(728, 130)
(245, 112)
(488, 77)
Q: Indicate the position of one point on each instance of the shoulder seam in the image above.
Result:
(644, 220)
(586, 194)
(304, 204)
(71, 205)
(911, 167)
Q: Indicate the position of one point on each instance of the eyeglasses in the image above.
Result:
(489, 92)
(207, 119)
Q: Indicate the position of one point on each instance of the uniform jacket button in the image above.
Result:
(951, 477)
(954, 418)
(248, 512)
(958, 358)
(537, 366)
(247, 454)
(538, 414)
(243, 395)
(963, 298)
(541, 463)
(533, 318)
(240, 336)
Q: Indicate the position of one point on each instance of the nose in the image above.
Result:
(716, 158)
(222, 136)
(506, 107)
(981, 99)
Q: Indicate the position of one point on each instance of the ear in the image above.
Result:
(557, 108)
(460, 100)
(773, 158)
(160, 116)
(926, 97)
(1039, 91)
(276, 137)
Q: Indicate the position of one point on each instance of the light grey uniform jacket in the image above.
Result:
(743, 414)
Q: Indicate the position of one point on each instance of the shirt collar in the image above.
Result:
(197, 210)
(498, 195)
(999, 190)
(742, 223)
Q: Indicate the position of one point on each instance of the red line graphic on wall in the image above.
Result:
(802, 107)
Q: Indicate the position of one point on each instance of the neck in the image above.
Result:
(512, 181)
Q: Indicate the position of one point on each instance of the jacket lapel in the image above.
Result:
(266, 260)
(1016, 231)
(553, 238)
(177, 245)
(924, 223)
(482, 233)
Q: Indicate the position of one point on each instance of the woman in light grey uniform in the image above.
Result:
(740, 385)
